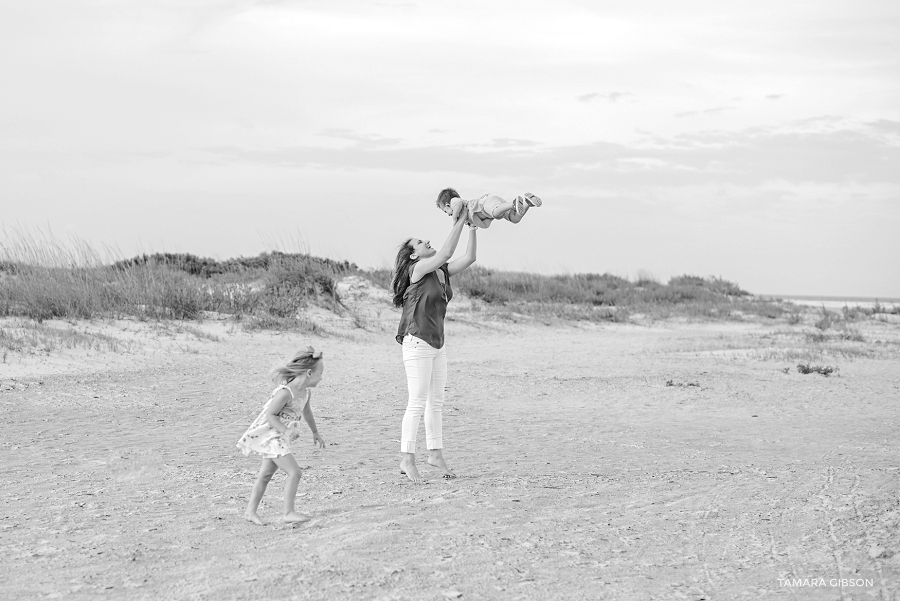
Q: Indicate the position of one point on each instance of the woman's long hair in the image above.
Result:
(400, 278)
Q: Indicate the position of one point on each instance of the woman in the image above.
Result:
(421, 286)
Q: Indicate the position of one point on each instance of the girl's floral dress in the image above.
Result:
(261, 438)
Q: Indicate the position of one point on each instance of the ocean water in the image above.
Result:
(835, 302)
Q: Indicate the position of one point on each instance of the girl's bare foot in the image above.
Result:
(408, 467)
(437, 460)
(294, 517)
(251, 516)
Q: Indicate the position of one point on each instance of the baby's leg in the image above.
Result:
(502, 208)
(289, 465)
(266, 471)
(511, 211)
(521, 204)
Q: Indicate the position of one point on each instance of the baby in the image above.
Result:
(484, 209)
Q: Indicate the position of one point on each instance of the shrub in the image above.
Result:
(806, 368)
(683, 295)
(851, 335)
(826, 320)
(816, 337)
(43, 279)
(853, 313)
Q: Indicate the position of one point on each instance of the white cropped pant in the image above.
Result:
(426, 377)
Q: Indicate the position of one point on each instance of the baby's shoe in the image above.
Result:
(520, 205)
(532, 200)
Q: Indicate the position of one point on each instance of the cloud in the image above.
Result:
(712, 111)
(612, 96)
(363, 140)
(401, 5)
(512, 142)
(745, 157)
(885, 125)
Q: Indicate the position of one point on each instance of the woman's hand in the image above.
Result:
(291, 434)
(425, 266)
(459, 208)
(463, 263)
(462, 212)
(318, 440)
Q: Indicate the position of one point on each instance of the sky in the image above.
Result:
(758, 141)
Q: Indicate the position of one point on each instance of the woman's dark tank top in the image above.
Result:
(424, 308)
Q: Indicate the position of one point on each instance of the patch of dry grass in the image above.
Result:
(174, 328)
(816, 346)
(603, 297)
(825, 370)
(790, 354)
(198, 333)
(32, 337)
(297, 324)
(44, 278)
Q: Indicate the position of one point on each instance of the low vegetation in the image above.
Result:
(827, 370)
(30, 336)
(604, 297)
(44, 279)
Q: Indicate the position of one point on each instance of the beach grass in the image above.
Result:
(605, 297)
(30, 336)
(43, 278)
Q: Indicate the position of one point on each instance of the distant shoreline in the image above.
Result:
(881, 299)
(833, 302)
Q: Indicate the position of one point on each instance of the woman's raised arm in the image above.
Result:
(427, 265)
(463, 263)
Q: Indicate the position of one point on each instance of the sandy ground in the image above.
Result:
(673, 460)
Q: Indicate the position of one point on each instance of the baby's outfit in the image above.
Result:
(262, 438)
(481, 210)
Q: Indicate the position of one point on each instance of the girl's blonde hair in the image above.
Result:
(302, 362)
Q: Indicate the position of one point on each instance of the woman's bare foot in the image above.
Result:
(436, 459)
(294, 517)
(251, 516)
(408, 467)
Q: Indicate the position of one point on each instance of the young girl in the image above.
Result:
(275, 429)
